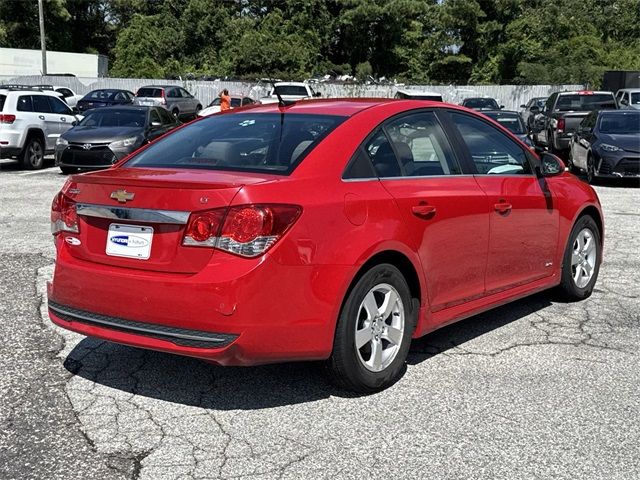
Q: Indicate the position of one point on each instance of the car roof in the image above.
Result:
(49, 93)
(633, 90)
(418, 92)
(340, 106)
(162, 86)
(630, 111)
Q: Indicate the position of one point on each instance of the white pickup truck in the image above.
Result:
(289, 91)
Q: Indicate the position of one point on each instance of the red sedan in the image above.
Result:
(333, 230)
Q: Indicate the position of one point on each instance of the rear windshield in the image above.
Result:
(115, 118)
(623, 123)
(259, 142)
(510, 122)
(102, 94)
(297, 90)
(585, 103)
(2, 99)
(150, 92)
(488, 103)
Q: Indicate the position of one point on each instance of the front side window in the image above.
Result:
(635, 98)
(259, 142)
(65, 92)
(41, 104)
(421, 146)
(167, 118)
(154, 117)
(492, 152)
(58, 106)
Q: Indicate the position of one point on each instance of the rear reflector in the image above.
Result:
(7, 118)
(64, 216)
(246, 230)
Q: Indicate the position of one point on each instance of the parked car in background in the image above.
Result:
(30, 123)
(106, 97)
(290, 92)
(481, 103)
(418, 95)
(562, 114)
(529, 111)
(512, 122)
(68, 95)
(336, 231)
(628, 98)
(607, 144)
(236, 102)
(109, 134)
(175, 99)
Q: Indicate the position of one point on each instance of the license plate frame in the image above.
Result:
(129, 241)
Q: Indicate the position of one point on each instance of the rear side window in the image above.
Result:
(235, 102)
(2, 99)
(492, 152)
(262, 142)
(149, 92)
(25, 104)
(41, 103)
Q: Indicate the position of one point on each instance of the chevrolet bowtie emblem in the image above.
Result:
(122, 196)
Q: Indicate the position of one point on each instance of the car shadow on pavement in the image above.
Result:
(192, 382)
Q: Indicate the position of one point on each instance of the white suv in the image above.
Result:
(30, 123)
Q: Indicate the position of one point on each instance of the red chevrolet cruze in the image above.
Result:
(333, 230)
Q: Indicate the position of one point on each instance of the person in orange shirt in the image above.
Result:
(225, 100)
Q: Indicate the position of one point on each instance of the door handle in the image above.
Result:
(502, 207)
(41, 117)
(423, 210)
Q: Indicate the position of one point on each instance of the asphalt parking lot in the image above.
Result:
(535, 389)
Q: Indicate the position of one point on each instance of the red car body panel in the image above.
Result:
(467, 255)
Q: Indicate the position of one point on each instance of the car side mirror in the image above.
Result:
(535, 109)
(550, 165)
(155, 124)
(74, 123)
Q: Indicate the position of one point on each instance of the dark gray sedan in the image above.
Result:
(109, 134)
(607, 144)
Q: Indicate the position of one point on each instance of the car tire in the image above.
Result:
(581, 261)
(384, 334)
(32, 155)
(590, 174)
(175, 112)
(68, 170)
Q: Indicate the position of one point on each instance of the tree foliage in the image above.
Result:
(439, 41)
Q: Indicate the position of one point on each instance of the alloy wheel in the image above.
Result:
(583, 258)
(35, 154)
(380, 327)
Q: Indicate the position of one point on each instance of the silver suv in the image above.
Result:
(30, 123)
(175, 99)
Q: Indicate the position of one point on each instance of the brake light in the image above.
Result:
(64, 216)
(561, 125)
(585, 92)
(163, 101)
(246, 230)
(7, 118)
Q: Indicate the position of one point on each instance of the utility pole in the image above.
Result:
(43, 44)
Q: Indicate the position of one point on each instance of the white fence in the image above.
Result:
(511, 96)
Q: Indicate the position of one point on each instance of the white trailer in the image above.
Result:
(21, 62)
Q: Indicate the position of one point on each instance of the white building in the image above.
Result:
(20, 62)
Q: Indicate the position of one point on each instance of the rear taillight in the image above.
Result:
(163, 100)
(7, 118)
(561, 125)
(246, 230)
(64, 216)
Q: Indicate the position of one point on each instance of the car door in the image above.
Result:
(65, 116)
(169, 122)
(47, 118)
(156, 126)
(189, 102)
(523, 212)
(582, 140)
(443, 209)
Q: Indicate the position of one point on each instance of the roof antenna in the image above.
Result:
(281, 101)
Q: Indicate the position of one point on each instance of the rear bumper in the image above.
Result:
(262, 311)
(562, 142)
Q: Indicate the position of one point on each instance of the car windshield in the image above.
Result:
(585, 102)
(622, 123)
(102, 94)
(297, 90)
(488, 103)
(115, 118)
(511, 122)
(150, 92)
(258, 142)
(635, 98)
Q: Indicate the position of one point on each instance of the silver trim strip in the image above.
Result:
(137, 328)
(134, 214)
